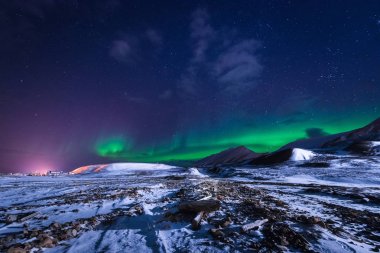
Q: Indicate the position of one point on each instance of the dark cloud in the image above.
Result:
(315, 132)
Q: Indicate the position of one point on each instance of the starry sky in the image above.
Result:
(86, 82)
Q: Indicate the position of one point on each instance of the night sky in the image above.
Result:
(86, 82)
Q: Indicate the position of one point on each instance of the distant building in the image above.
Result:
(17, 174)
(55, 173)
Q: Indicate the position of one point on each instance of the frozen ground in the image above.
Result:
(314, 206)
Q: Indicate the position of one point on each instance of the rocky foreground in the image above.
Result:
(185, 212)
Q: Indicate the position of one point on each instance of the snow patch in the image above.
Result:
(195, 172)
(301, 155)
(375, 143)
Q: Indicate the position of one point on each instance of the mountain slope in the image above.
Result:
(370, 132)
(234, 156)
(291, 154)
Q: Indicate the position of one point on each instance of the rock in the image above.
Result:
(199, 206)
(253, 225)
(226, 222)
(25, 232)
(138, 209)
(63, 236)
(197, 220)
(10, 238)
(69, 233)
(47, 243)
(11, 218)
(55, 226)
(220, 197)
(314, 220)
(34, 233)
(27, 247)
(16, 250)
(77, 226)
(217, 233)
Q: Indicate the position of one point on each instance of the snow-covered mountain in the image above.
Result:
(121, 168)
(291, 154)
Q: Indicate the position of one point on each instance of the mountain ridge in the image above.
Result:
(346, 141)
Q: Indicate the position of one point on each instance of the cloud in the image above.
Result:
(130, 48)
(238, 66)
(201, 33)
(315, 132)
(219, 59)
(122, 50)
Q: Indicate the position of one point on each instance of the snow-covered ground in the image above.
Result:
(328, 206)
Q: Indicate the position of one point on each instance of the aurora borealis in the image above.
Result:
(85, 82)
(201, 144)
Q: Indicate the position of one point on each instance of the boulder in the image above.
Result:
(217, 233)
(199, 206)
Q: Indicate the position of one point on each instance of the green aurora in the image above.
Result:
(198, 144)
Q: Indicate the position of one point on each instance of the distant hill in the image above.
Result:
(120, 168)
(233, 156)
